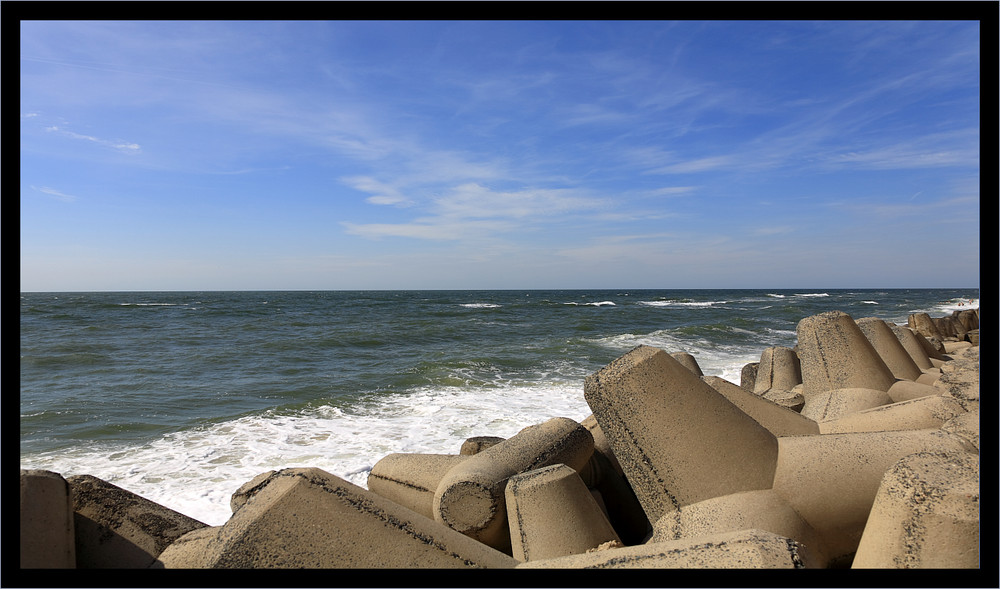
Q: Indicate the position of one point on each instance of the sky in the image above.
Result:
(345, 155)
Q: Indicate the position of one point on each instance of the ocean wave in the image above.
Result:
(594, 304)
(480, 305)
(812, 294)
(694, 304)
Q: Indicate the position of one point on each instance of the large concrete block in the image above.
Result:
(470, 497)
(831, 480)
(834, 404)
(477, 444)
(912, 346)
(117, 529)
(923, 324)
(778, 368)
(925, 515)
(835, 354)
(308, 518)
(779, 420)
(412, 479)
(966, 427)
(552, 513)
(906, 390)
(889, 348)
(679, 441)
(921, 413)
(745, 549)
(688, 361)
(762, 510)
(748, 376)
(960, 384)
(47, 528)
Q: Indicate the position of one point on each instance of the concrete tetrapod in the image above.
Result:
(552, 513)
(779, 420)
(412, 479)
(912, 346)
(763, 510)
(678, 440)
(889, 348)
(922, 413)
(308, 518)
(47, 531)
(835, 354)
(117, 529)
(470, 497)
(744, 549)
(778, 369)
(831, 479)
(925, 515)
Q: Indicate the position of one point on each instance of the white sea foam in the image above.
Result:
(714, 360)
(594, 304)
(195, 471)
(812, 294)
(688, 304)
(480, 305)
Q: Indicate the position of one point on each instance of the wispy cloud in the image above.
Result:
(55, 193)
(118, 145)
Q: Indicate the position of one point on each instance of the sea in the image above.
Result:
(182, 397)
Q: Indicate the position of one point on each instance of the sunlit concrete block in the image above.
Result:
(679, 441)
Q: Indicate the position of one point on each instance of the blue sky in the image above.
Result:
(222, 155)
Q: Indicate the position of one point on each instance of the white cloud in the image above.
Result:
(119, 145)
(56, 193)
(382, 193)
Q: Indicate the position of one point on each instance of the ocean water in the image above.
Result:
(181, 397)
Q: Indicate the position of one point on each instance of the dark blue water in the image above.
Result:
(183, 396)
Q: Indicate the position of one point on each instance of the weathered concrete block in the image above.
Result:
(247, 490)
(678, 440)
(836, 403)
(116, 528)
(905, 390)
(951, 348)
(477, 444)
(762, 510)
(962, 385)
(748, 376)
(779, 420)
(835, 354)
(745, 549)
(889, 348)
(913, 347)
(947, 327)
(966, 427)
(308, 518)
(552, 513)
(920, 413)
(831, 479)
(47, 528)
(969, 318)
(412, 479)
(470, 497)
(778, 368)
(792, 400)
(688, 361)
(925, 515)
(923, 324)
